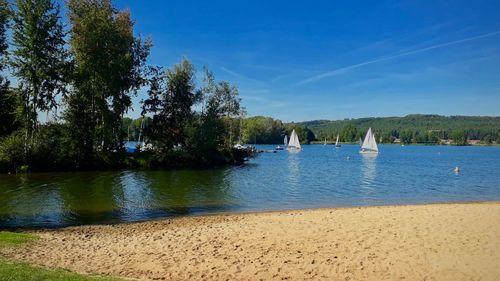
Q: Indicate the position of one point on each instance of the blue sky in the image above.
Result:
(306, 60)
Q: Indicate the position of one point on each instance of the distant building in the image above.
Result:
(473, 142)
(445, 142)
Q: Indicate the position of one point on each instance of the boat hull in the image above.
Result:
(368, 152)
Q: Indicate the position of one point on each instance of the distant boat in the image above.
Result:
(294, 144)
(337, 144)
(278, 148)
(360, 142)
(369, 144)
(324, 142)
(285, 141)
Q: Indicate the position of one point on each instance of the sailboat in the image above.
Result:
(294, 144)
(324, 142)
(337, 142)
(369, 144)
(285, 141)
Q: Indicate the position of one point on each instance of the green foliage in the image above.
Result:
(261, 129)
(349, 133)
(458, 137)
(179, 133)
(266, 130)
(134, 128)
(12, 153)
(105, 67)
(39, 59)
(413, 128)
(49, 150)
(14, 271)
(305, 135)
(7, 98)
(170, 101)
(406, 136)
(109, 64)
(9, 104)
(216, 128)
(5, 14)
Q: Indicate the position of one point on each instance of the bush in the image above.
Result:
(12, 154)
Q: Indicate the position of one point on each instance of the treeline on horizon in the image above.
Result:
(83, 79)
(416, 128)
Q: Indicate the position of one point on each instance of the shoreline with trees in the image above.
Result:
(84, 79)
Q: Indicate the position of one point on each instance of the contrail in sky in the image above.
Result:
(347, 68)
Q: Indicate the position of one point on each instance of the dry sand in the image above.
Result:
(422, 242)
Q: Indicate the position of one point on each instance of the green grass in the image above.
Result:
(11, 239)
(15, 271)
(12, 271)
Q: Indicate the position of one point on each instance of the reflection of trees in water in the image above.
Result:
(100, 197)
(183, 191)
(91, 196)
(27, 200)
(56, 199)
(369, 169)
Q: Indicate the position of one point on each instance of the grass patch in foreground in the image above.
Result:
(11, 271)
(14, 271)
(10, 239)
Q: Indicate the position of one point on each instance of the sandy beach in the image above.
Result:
(421, 242)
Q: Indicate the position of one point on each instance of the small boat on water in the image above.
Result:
(337, 144)
(369, 145)
(294, 144)
(285, 141)
(324, 142)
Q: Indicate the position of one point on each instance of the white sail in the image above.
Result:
(286, 140)
(294, 141)
(337, 141)
(369, 144)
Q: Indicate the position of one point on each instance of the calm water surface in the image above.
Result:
(319, 176)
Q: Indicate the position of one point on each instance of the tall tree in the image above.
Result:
(4, 23)
(109, 65)
(7, 100)
(39, 58)
(221, 105)
(171, 98)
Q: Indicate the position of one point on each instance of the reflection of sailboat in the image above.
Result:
(337, 145)
(368, 169)
(369, 144)
(294, 144)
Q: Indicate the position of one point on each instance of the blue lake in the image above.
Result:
(318, 176)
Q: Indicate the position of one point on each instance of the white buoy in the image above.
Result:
(456, 170)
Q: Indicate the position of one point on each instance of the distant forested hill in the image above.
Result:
(414, 128)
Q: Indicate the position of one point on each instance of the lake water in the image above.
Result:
(319, 176)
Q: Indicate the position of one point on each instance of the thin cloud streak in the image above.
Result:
(240, 76)
(354, 66)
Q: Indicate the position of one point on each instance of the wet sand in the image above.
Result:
(421, 242)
